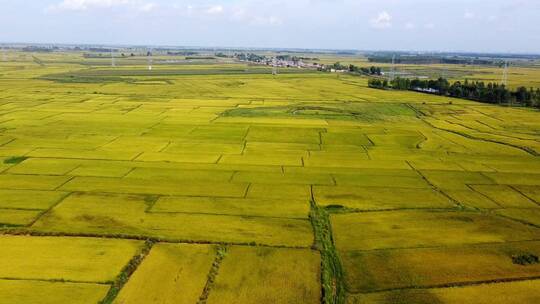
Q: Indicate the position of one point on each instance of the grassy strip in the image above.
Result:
(332, 277)
(38, 61)
(25, 231)
(123, 75)
(15, 160)
(10, 226)
(54, 280)
(126, 273)
(220, 255)
(85, 79)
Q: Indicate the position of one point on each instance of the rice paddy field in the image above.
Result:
(218, 182)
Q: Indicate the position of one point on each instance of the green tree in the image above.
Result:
(522, 95)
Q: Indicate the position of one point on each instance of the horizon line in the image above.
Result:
(217, 47)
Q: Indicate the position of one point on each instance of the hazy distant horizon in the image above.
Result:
(248, 48)
(473, 26)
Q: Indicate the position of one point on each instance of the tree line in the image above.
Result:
(420, 59)
(373, 70)
(473, 90)
(250, 57)
(296, 58)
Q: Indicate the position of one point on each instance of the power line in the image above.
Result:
(505, 73)
(393, 69)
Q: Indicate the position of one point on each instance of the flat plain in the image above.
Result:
(222, 183)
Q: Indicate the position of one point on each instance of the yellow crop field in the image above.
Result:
(214, 181)
(108, 214)
(29, 200)
(170, 274)
(524, 215)
(412, 228)
(371, 271)
(231, 206)
(263, 275)
(70, 259)
(381, 198)
(499, 293)
(505, 196)
(24, 292)
(14, 217)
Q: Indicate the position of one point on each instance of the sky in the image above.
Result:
(408, 25)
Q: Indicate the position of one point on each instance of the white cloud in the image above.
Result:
(214, 9)
(81, 5)
(382, 21)
(84, 5)
(147, 7)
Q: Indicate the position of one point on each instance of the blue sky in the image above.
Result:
(437, 25)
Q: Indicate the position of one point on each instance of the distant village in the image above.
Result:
(291, 61)
(280, 61)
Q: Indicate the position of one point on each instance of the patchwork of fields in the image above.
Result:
(523, 73)
(123, 186)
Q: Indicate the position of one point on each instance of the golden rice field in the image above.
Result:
(217, 182)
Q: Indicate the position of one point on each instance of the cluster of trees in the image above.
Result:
(373, 70)
(250, 57)
(101, 55)
(99, 50)
(425, 59)
(182, 53)
(200, 57)
(39, 49)
(295, 58)
(222, 55)
(440, 86)
(475, 90)
(529, 97)
(377, 83)
(337, 66)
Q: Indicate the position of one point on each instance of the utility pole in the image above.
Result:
(505, 78)
(113, 61)
(505, 74)
(274, 66)
(443, 72)
(393, 69)
(150, 61)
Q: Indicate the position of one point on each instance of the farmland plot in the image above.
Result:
(221, 183)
